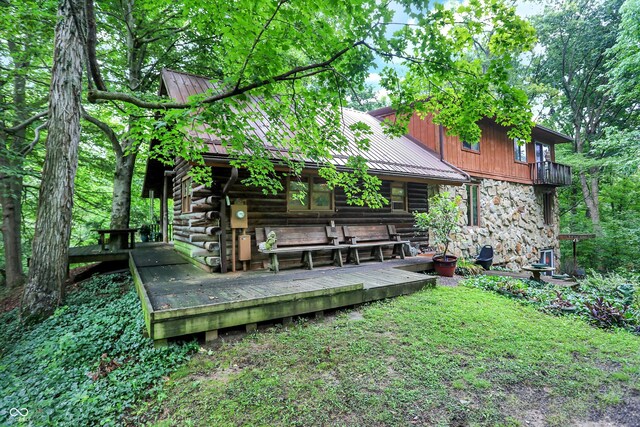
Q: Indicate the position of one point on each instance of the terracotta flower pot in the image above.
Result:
(445, 268)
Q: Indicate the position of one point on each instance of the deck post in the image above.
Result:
(160, 343)
(164, 215)
(211, 335)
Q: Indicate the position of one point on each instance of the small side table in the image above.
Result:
(535, 272)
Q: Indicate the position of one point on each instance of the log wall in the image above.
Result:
(271, 210)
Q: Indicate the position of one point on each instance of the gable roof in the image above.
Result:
(387, 156)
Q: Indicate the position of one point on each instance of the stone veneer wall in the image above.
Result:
(511, 220)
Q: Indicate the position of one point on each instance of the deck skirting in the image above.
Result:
(179, 299)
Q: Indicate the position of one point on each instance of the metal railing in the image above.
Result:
(550, 173)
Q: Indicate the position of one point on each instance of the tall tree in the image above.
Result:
(575, 38)
(300, 58)
(155, 35)
(44, 287)
(25, 46)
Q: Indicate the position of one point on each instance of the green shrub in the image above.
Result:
(88, 363)
(604, 300)
(466, 267)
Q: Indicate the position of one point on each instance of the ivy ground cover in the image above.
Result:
(86, 365)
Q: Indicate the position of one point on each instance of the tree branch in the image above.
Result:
(106, 129)
(27, 122)
(96, 95)
(92, 60)
(255, 43)
(36, 138)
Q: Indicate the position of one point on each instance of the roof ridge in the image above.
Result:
(188, 74)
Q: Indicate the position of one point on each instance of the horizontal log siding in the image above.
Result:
(195, 223)
(271, 210)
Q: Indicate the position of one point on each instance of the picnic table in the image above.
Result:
(128, 242)
(535, 271)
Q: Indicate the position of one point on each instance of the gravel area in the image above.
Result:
(449, 281)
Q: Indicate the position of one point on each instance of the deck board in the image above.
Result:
(184, 299)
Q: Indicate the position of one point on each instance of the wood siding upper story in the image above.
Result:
(494, 160)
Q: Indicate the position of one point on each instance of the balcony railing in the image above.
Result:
(550, 173)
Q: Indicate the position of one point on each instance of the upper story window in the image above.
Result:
(473, 204)
(547, 205)
(520, 150)
(398, 196)
(185, 194)
(309, 194)
(473, 146)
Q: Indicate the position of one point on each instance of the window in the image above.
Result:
(185, 191)
(473, 146)
(309, 193)
(398, 196)
(546, 257)
(473, 205)
(547, 200)
(520, 151)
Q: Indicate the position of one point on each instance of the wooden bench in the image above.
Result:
(375, 237)
(301, 239)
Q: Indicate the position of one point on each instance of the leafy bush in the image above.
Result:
(604, 300)
(88, 363)
(466, 267)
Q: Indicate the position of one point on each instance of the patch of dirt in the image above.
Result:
(449, 281)
(10, 299)
(627, 413)
(355, 315)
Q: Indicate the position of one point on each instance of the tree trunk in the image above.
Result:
(590, 190)
(11, 185)
(121, 202)
(48, 270)
(10, 200)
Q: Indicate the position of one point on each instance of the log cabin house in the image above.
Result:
(202, 216)
(513, 202)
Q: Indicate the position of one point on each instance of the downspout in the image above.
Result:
(441, 138)
(223, 219)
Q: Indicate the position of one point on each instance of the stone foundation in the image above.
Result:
(511, 220)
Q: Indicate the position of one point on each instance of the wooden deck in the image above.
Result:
(179, 299)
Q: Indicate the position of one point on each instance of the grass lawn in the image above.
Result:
(444, 356)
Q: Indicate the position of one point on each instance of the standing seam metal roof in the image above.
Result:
(387, 155)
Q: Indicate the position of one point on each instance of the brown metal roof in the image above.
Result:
(394, 156)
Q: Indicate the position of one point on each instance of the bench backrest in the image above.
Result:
(299, 236)
(370, 233)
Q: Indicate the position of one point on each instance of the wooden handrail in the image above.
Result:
(550, 173)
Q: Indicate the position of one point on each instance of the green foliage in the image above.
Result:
(605, 300)
(88, 363)
(625, 64)
(333, 46)
(442, 218)
(467, 267)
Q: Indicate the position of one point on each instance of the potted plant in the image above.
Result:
(442, 221)
(145, 233)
